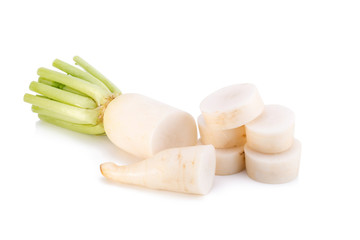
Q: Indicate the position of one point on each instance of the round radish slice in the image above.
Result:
(228, 138)
(232, 106)
(272, 131)
(229, 160)
(273, 168)
(143, 126)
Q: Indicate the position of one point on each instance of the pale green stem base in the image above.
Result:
(76, 101)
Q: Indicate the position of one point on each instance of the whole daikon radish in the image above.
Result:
(273, 168)
(86, 101)
(232, 106)
(229, 160)
(272, 131)
(143, 126)
(227, 138)
(187, 169)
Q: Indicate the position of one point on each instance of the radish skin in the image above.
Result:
(272, 131)
(187, 170)
(143, 126)
(232, 106)
(273, 168)
(228, 138)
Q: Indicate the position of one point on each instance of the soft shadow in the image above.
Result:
(101, 143)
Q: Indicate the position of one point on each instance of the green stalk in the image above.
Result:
(62, 96)
(52, 114)
(76, 101)
(77, 115)
(98, 94)
(90, 69)
(76, 72)
(60, 86)
(82, 128)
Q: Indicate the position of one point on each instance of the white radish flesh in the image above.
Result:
(143, 126)
(187, 169)
(232, 106)
(229, 160)
(272, 131)
(227, 138)
(273, 168)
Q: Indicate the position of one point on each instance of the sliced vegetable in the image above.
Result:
(272, 131)
(232, 106)
(227, 138)
(187, 169)
(229, 160)
(273, 168)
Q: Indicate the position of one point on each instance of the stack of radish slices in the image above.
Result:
(235, 121)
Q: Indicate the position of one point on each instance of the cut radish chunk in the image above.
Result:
(272, 131)
(188, 170)
(229, 160)
(228, 138)
(232, 106)
(143, 126)
(273, 168)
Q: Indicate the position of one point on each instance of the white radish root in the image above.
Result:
(229, 160)
(272, 131)
(273, 168)
(187, 170)
(232, 106)
(227, 138)
(143, 126)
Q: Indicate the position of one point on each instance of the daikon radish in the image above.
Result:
(228, 160)
(273, 168)
(228, 138)
(187, 169)
(143, 126)
(86, 101)
(272, 131)
(232, 106)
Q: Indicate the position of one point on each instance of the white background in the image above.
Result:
(302, 54)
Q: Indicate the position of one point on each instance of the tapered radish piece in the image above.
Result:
(229, 160)
(143, 126)
(187, 169)
(228, 138)
(232, 106)
(273, 168)
(272, 131)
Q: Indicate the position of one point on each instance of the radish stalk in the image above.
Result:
(75, 100)
(90, 69)
(187, 169)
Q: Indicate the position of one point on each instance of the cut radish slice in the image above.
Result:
(273, 168)
(229, 160)
(232, 106)
(228, 138)
(272, 131)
